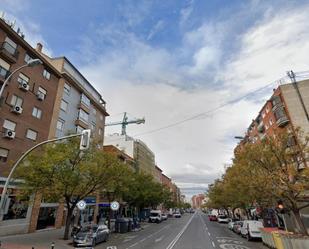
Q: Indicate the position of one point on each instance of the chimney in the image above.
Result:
(39, 47)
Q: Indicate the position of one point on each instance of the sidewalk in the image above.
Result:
(43, 239)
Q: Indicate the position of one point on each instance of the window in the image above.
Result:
(93, 125)
(16, 101)
(79, 129)
(60, 124)
(42, 92)
(267, 109)
(94, 111)
(270, 121)
(7, 124)
(3, 155)
(31, 134)
(27, 58)
(22, 79)
(85, 100)
(4, 68)
(10, 46)
(46, 74)
(263, 114)
(36, 112)
(64, 105)
(67, 88)
(83, 115)
(17, 208)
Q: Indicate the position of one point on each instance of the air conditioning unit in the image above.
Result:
(17, 109)
(24, 86)
(9, 134)
(40, 96)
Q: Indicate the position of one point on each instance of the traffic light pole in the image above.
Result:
(7, 181)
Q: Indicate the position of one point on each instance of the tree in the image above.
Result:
(283, 160)
(61, 172)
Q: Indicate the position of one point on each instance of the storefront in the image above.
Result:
(47, 215)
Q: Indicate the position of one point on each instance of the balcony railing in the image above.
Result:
(3, 73)
(10, 52)
(282, 121)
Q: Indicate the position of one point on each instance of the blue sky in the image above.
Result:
(169, 60)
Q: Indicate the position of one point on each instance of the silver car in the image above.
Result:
(91, 235)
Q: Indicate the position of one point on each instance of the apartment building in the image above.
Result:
(41, 102)
(144, 158)
(197, 200)
(158, 174)
(287, 108)
(26, 111)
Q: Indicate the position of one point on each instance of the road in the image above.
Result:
(192, 231)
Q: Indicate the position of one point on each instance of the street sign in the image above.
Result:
(81, 205)
(115, 205)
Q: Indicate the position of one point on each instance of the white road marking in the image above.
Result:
(213, 244)
(159, 239)
(148, 237)
(111, 247)
(174, 241)
(209, 234)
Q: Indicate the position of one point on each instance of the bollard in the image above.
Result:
(53, 245)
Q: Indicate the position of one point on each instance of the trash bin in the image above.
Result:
(130, 224)
(121, 225)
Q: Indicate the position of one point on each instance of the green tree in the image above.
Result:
(61, 172)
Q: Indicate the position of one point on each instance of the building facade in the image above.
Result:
(42, 102)
(197, 201)
(144, 158)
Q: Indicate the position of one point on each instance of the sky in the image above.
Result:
(192, 68)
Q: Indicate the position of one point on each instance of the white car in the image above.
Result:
(164, 216)
(223, 219)
(230, 225)
(155, 216)
(251, 229)
(177, 215)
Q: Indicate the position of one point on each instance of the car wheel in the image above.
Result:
(248, 237)
(106, 238)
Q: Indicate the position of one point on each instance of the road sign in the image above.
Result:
(81, 205)
(115, 205)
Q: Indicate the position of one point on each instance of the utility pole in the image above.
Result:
(126, 122)
(292, 76)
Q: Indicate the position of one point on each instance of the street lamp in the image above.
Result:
(30, 63)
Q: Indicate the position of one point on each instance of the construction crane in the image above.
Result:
(125, 122)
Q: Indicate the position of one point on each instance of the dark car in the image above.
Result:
(91, 235)
(212, 217)
(237, 226)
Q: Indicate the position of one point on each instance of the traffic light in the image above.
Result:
(85, 140)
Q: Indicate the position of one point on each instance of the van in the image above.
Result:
(251, 229)
(155, 216)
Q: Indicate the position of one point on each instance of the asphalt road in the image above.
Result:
(192, 231)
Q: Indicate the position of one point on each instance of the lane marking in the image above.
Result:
(149, 236)
(213, 244)
(174, 241)
(209, 234)
(159, 239)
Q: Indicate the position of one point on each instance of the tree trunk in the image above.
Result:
(300, 222)
(68, 222)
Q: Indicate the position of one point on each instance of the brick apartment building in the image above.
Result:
(197, 201)
(287, 108)
(41, 102)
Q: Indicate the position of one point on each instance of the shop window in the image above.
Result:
(15, 208)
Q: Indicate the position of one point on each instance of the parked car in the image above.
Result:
(237, 226)
(155, 216)
(251, 229)
(164, 216)
(91, 235)
(230, 225)
(212, 217)
(177, 215)
(223, 219)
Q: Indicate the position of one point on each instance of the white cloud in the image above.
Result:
(157, 28)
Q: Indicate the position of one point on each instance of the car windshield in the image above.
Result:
(89, 229)
(154, 214)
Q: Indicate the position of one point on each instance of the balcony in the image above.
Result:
(282, 121)
(276, 103)
(3, 74)
(80, 122)
(261, 127)
(9, 52)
